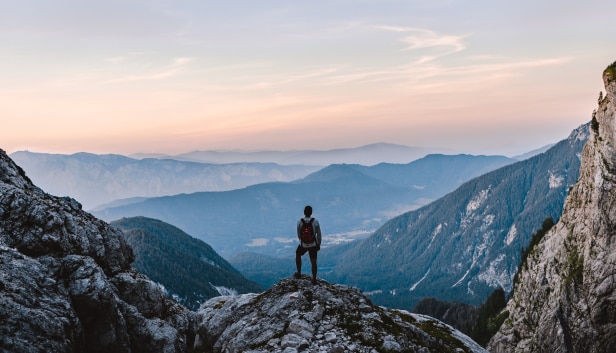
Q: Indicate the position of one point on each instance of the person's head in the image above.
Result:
(308, 211)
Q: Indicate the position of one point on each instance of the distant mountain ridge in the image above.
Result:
(345, 198)
(533, 152)
(365, 155)
(95, 180)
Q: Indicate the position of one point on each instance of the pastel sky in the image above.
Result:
(172, 76)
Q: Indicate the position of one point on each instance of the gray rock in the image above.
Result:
(301, 327)
(66, 284)
(227, 323)
(330, 337)
(364, 308)
(293, 341)
(564, 300)
(390, 344)
(35, 312)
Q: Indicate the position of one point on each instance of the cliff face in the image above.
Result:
(66, 284)
(565, 300)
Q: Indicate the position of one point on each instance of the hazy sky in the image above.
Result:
(125, 76)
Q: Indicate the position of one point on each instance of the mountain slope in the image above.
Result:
(98, 179)
(565, 299)
(261, 218)
(190, 270)
(436, 174)
(462, 246)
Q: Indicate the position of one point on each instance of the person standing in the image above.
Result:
(309, 235)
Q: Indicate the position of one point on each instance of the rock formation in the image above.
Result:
(66, 284)
(565, 299)
(296, 316)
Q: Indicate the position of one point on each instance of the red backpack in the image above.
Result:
(307, 231)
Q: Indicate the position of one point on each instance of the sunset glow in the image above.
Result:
(171, 77)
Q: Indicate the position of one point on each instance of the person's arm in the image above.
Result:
(317, 232)
(299, 230)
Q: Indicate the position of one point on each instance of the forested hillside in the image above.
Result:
(464, 245)
(189, 269)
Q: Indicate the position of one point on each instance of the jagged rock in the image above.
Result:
(66, 284)
(565, 300)
(295, 315)
(33, 303)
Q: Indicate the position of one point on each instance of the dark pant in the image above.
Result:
(312, 252)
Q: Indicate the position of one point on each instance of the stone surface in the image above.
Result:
(66, 284)
(295, 315)
(565, 300)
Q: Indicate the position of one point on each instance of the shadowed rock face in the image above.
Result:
(295, 315)
(565, 300)
(66, 284)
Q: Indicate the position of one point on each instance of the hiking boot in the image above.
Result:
(314, 281)
(297, 275)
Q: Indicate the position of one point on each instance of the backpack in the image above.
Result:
(307, 232)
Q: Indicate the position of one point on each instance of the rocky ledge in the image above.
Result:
(296, 316)
(66, 284)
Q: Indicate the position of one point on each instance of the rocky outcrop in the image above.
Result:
(295, 316)
(565, 300)
(66, 284)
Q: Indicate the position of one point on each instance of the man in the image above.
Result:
(309, 235)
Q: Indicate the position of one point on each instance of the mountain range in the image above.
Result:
(96, 180)
(351, 200)
(66, 285)
(457, 248)
(364, 155)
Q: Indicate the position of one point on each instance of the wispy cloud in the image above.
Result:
(419, 38)
(317, 74)
(169, 71)
(429, 70)
(115, 59)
